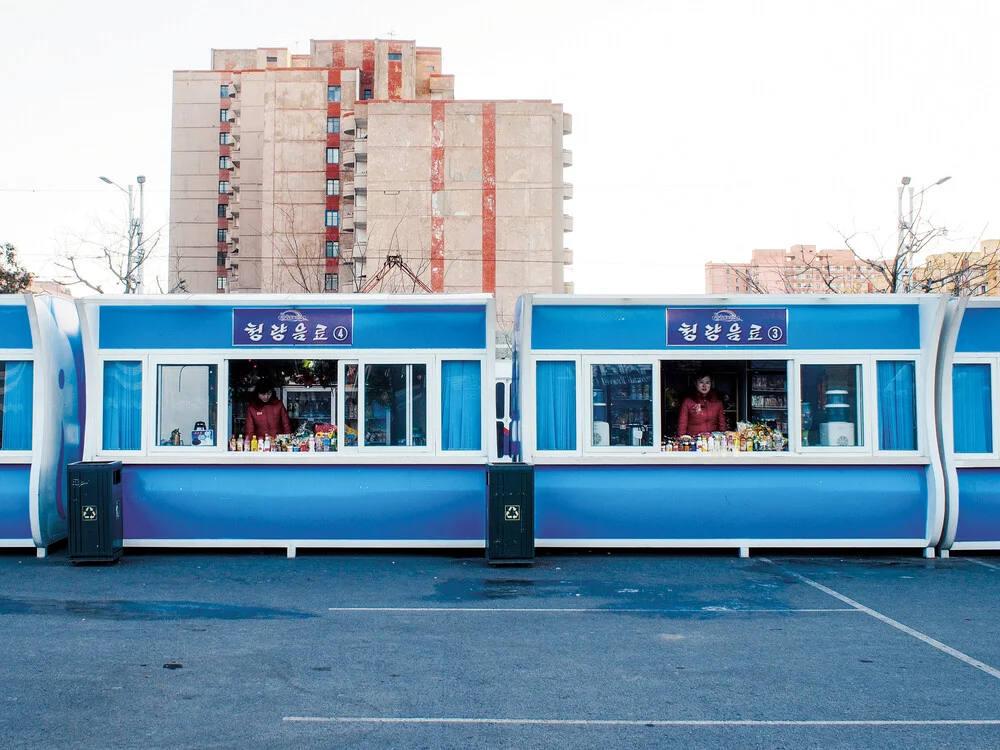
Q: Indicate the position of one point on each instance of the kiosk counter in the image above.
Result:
(41, 407)
(387, 431)
(821, 430)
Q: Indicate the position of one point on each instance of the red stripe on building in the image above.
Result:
(395, 73)
(437, 185)
(338, 55)
(489, 197)
(368, 55)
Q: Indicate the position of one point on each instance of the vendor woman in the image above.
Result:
(266, 415)
(702, 411)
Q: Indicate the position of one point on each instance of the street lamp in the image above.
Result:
(135, 262)
(905, 248)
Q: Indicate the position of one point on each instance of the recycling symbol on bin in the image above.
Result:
(89, 512)
(512, 512)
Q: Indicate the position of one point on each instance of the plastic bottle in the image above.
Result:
(232, 442)
(239, 443)
(253, 444)
(312, 443)
(267, 444)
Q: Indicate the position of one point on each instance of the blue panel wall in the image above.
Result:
(980, 331)
(15, 522)
(444, 503)
(15, 330)
(978, 505)
(730, 502)
(644, 327)
(211, 326)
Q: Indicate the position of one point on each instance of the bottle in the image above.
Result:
(246, 443)
(253, 444)
(232, 442)
(239, 443)
(267, 444)
(312, 443)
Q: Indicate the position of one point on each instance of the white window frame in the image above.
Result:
(432, 435)
(529, 411)
(37, 415)
(487, 426)
(150, 376)
(972, 460)
(584, 397)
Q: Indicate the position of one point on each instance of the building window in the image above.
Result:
(333, 187)
(333, 93)
(222, 235)
(224, 139)
(332, 249)
(224, 91)
(368, 93)
(220, 282)
(332, 124)
(333, 156)
(220, 258)
(222, 210)
(223, 115)
(223, 187)
(331, 282)
(395, 55)
(225, 163)
(272, 58)
(333, 218)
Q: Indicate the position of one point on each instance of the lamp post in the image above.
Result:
(134, 266)
(905, 249)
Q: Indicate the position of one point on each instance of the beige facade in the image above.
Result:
(346, 168)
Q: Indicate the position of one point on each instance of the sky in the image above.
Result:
(701, 130)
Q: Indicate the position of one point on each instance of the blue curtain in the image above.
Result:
(461, 406)
(897, 406)
(972, 397)
(18, 406)
(122, 406)
(555, 406)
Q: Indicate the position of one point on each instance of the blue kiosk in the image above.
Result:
(828, 438)
(391, 423)
(41, 411)
(969, 366)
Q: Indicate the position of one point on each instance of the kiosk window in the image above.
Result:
(897, 406)
(461, 406)
(831, 405)
(122, 406)
(186, 404)
(555, 405)
(395, 399)
(16, 405)
(973, 408)
(622, 405)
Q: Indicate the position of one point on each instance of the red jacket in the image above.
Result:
(267, 419)
(700, 415)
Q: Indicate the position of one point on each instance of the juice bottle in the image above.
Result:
(253, 444)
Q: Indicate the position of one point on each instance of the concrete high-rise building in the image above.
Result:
(354, 168)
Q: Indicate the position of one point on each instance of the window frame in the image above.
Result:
(20, 455)
(332, 155)
(332, 124)
(331, 217)
(973, 460)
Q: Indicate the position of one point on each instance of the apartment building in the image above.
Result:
(355, 169)
(801, 269)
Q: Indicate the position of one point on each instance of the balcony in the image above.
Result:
(567, 223)
(361, 148)
(360, 248)
(567, 158)
(347, 222)
(567, 191)
(346, 156)
(361, 216)
(360, 181)
(347, 124)
(233, 211)
(567, 123)
(567, 256)
(347, 188)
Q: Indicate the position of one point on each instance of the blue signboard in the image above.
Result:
(268, 326)
(712, 326)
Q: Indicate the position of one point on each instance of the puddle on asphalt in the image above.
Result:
(136, 610)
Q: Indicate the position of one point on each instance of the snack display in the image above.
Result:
(746, 438)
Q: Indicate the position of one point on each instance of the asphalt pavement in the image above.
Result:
(582, 649)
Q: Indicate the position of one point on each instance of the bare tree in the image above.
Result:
(13, 278)
(111, 252)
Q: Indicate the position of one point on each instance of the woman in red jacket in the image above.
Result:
(266, 415)
(702, 411)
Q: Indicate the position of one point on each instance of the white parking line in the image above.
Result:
(647, 723)
(615, 610)
(991, 566)
(894, 623)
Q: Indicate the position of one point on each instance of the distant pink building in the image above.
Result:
(802, 269)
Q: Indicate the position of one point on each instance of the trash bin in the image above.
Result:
(95, 511)
(510, 514)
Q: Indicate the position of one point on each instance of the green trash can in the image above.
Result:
(510, 514)
(95, 511)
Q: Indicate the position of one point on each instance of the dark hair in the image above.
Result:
(263, 386)
(704, 374)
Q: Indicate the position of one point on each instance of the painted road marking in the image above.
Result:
(650, 722)
(895, 623)
(706, 610)
(984, 564)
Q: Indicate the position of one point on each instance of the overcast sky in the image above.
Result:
(701, 130)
